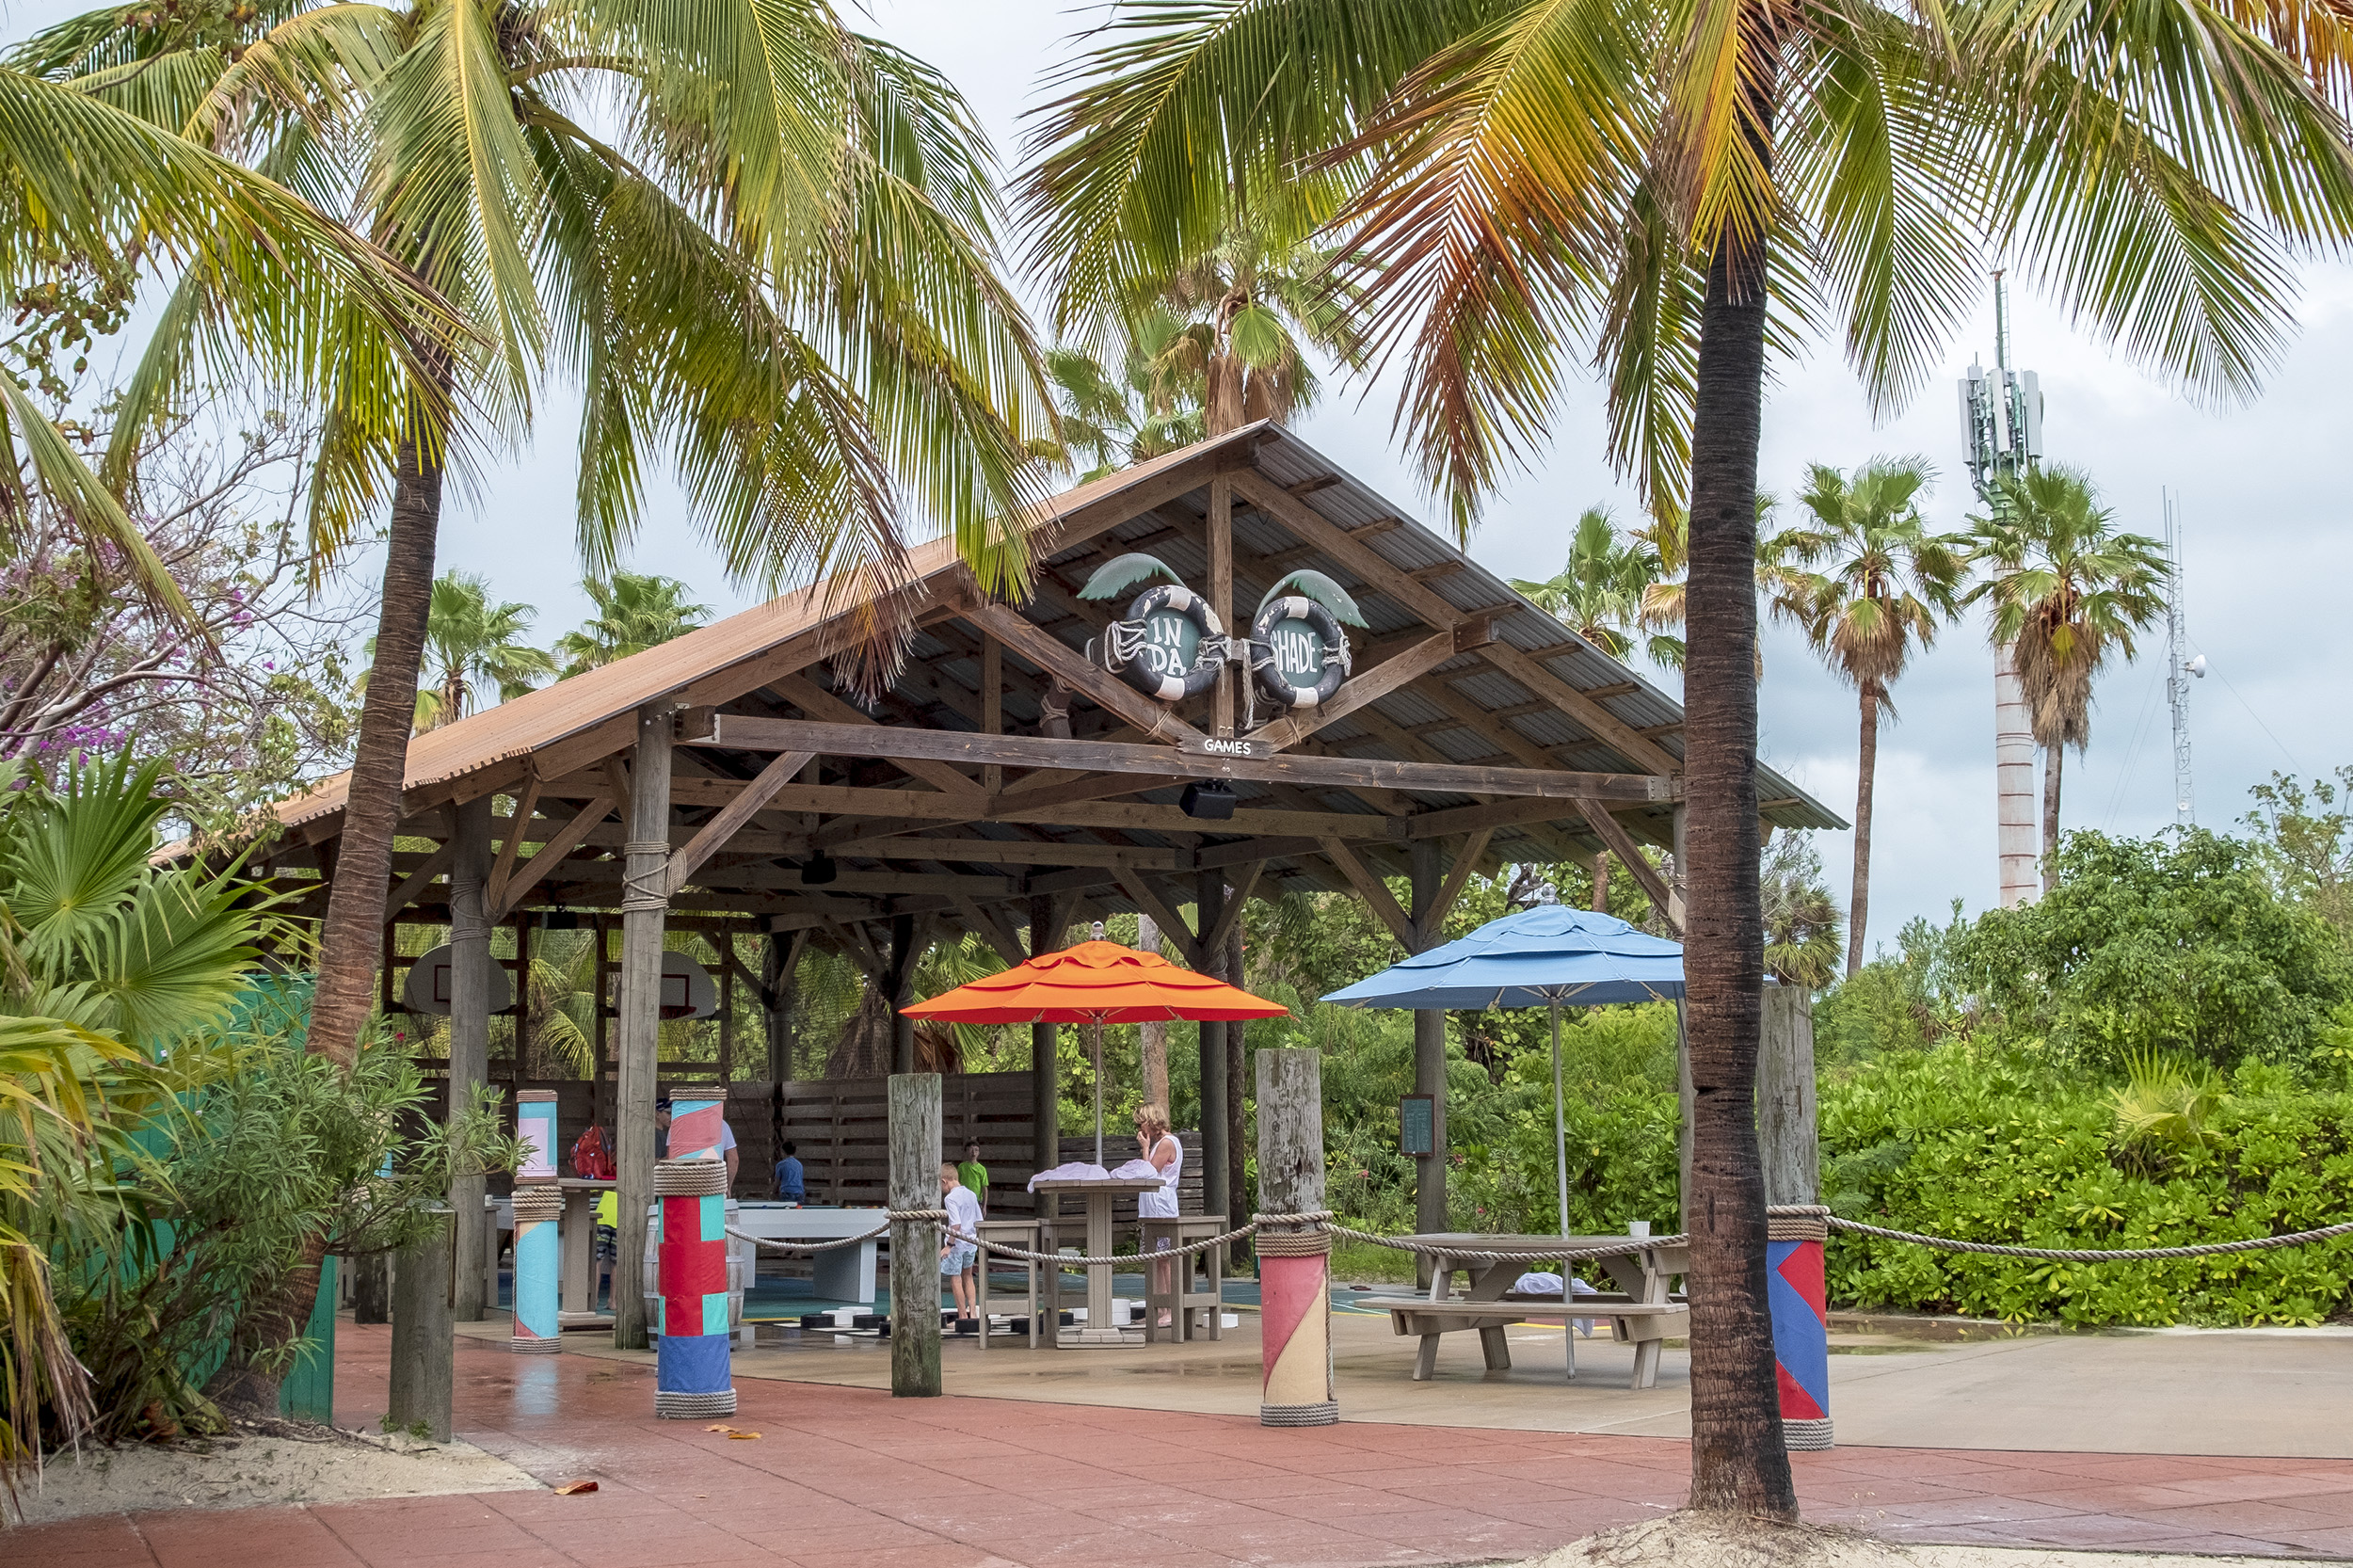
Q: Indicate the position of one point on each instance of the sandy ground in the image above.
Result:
(1683, 1540)
(247, 1469)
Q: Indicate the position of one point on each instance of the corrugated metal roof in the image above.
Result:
(571, 708)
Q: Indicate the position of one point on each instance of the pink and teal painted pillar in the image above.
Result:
(695, 1129)
(1294, 1264)
(692, 1376)
(1795, 1290)
(538, 1212)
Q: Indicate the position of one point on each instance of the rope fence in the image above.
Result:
(1326, 1222)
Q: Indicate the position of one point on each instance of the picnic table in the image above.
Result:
(1099, 1196)
(1640, 1310)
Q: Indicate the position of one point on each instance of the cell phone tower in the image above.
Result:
(2001, 417)
(2181, 666)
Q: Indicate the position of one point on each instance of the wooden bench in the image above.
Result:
(1641, 1312)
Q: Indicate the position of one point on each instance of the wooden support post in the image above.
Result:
(899, 979)
(1786, 1116)
(469, 1031)
(726, 1010)
(522, 1002)
(777, 968)
(600, 1092)
(1221, 531)
(1294, 1266)
(1217, 1195)
(1045, 1057)
(643, 907)
(370, 1287)
(1687, 1107)
(1237, 1104)
(1676, 893)
(424, 1344)
(1430, 1206)
(992, 705)
(915, 1154)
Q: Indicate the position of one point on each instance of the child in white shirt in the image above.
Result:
(959, 1247)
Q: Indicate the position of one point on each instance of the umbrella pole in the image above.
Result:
(1560, 1172)
(1098, 1091)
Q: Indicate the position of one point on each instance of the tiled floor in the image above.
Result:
(847, 1477)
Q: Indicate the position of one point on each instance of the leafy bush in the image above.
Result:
(2008, 1147)
(2177, 944)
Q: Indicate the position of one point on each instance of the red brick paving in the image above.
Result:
(846, 1477)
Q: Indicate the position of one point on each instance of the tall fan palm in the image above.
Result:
(2067, 590)
(1114, 417)
(473, 642)
(635, 611)
(1536, 183)
(1888, 585)
(1599, 594)
(776, 269)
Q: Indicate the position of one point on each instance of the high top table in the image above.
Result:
(842, 1275)
(1100, 1195)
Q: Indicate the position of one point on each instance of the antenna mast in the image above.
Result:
(2001, 417)
(2180, 666)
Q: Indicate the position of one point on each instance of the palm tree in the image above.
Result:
(473, 642)
(1111, 420)
(1888, 585)
(778, 268)
(1600, 593)
(1801, 917)
(635, 611)
(1662, 614)
(2067, 590)
(1533, 183)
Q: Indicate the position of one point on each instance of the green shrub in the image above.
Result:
(1991, 1145)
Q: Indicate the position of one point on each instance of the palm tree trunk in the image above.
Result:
(1737, 1461)
(2052, 757)
(1866, 768)
(352, 937)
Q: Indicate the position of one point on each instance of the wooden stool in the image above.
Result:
(1010, 1233)
(1194, 1283)
(1057, 1292)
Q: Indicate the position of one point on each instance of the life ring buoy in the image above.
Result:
(1128, 650)
(1267, 661)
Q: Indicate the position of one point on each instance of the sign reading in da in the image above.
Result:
(1171, 643)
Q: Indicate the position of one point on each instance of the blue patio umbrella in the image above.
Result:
(1548, 956)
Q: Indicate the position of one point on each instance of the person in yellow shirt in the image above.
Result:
(608, 1239)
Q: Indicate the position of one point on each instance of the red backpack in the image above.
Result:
(591, 1160)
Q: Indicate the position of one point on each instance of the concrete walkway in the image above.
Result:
(2269, 1393)
(848, 1478)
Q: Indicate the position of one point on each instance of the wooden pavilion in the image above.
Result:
(1010, 784)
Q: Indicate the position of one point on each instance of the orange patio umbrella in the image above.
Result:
(1096, 983)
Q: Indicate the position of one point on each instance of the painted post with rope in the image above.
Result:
(693, 1377)
(1797, 1297)
(1294, 1265)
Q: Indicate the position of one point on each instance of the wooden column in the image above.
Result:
(469, 1031)
(1294, 1267)
(643, 908)
(1786, 1132)
(1045, 1057)
(1221, 531)
(370, 1287)
(1677, 899)
(899, 979)
(915, 1156)
(1237, 1108)
(727, 1010)
(1687, 1107)
(523, 1000)
(1430, 1206)
(775, 972)
(601, 1092)
(992, 705)
(1217, 1192)
(424, 1345)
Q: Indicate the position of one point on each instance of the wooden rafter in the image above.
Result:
(1236, 901)
(1622, 846)
(566, 840)
(1372, 685)
(516, 825)
(708, 840)
(1148, 898)
(1053, 655)
(1368, 886)
(414, 883)
(1457, 878)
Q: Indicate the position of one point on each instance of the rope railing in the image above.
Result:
(1327, 1222)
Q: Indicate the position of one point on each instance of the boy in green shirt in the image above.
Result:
(974, 1174)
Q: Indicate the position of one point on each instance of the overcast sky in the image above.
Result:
(2261, 487)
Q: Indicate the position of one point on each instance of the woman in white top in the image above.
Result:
(1167, 1156)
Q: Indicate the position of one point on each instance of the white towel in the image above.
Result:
(1136, 1170)
(1077, 1170)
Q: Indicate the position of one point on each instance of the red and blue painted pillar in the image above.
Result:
(1795, 1290)
(692, 1376)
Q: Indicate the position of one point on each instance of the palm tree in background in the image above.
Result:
(634, 611)
(1601, 591)
(1530, 186)
(1801, 944)
(1885, 585)
(777, 268)
(1662, 612)
(2068, 591)
(1112, 417)
(472, 644)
